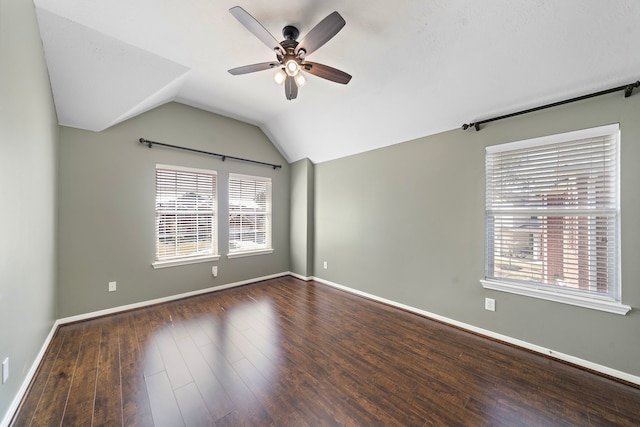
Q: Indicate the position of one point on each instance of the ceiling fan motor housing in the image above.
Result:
(290, 32)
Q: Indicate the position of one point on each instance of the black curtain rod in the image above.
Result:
(222, 156)
(628, 89)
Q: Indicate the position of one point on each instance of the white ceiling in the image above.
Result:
(419, 67)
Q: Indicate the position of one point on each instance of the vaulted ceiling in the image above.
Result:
(419, 67)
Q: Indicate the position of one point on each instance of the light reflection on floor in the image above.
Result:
(234, 347)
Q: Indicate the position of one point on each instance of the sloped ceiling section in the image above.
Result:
(418, 67)
(100, 80)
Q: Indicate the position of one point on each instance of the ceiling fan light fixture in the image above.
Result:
(300, 80)
(280, 76)
(292, 67)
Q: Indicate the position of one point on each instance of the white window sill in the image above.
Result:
(249, 253)
(184, 261)
(577, 300)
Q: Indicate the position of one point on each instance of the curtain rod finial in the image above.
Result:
(143, 141)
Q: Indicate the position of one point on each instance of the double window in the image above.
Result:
(186, 212)
(552, 218)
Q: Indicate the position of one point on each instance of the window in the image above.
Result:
(552, 218)
(249, 215)
(186, 209)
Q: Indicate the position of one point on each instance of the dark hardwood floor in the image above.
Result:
(289, 353)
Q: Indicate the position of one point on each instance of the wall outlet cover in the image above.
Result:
(112, 286)
(490, 304)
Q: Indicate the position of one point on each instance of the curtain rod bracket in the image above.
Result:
(467, 126)
(628, 91)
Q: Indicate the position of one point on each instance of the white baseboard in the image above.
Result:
(505, 338)
(127, 307)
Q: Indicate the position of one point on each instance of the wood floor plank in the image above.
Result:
(108, 400)
(52, 404)
(284, 352)
(212, 391)
(217, 330)
(152, 360)
(79, 407)
(136, 409)
(175, 367)
(278, 408)
(164, 407)
(236, 389)
(192, 407)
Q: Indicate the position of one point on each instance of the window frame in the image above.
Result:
(238, 253)
(162, 262)
(608, 303)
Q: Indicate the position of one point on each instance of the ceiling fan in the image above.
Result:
(291, 54)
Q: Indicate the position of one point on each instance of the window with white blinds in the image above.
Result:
(249, 214)
(552, 214)
(186, 208)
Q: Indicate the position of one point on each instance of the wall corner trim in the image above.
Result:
(605, 370)
(301, 277)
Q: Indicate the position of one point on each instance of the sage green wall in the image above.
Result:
(406, 223)
(302, 218)
(28, 144)
(106, 207)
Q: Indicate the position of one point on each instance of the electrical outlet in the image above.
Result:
(214, 270)
(5, 370)
(112, 286)
(490, 304)
(326, 265)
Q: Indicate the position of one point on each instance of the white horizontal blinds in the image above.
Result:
(568, 175)
(552, 215)
(185, 213)
(249, 213)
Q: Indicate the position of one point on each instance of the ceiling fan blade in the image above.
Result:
(256, 28)
(326, 72)
(290, 88)
(321, 33)
(253, 68)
